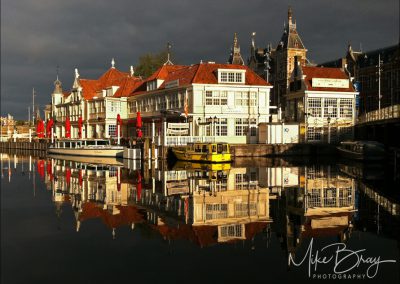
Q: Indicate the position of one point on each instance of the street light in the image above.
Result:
(306, 115)
(329, 129)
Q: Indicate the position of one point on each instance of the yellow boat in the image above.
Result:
(190, 166)
(204, 152)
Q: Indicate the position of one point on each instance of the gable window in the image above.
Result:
(231, 76)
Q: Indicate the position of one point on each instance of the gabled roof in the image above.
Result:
(127, 86)
(202, 73)
(111, 77)
(163, 72)
(89, 88)
(206, 73)
(324, 72)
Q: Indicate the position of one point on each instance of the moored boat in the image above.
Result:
(204, 152)
(362, 150)
(86, 147)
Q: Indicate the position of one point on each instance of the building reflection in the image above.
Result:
(321, 204)
(209, 204)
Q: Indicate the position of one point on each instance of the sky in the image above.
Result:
(37, 36)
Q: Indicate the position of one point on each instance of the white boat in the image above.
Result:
(362, 150)
(86, 147)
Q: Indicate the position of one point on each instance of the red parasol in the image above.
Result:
(40, 166)
(139, 185)
(68, 175)
(119, 179)
(80, 121)
(80, 180)
(138, 120)
(119, 122)
(139, 133)
(40, 128)
(49, 170)
(49, 126)
(67, 128)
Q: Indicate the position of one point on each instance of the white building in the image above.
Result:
(323, 101)
(222, 102)
(97, 102)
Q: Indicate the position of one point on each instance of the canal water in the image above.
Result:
(264, 221)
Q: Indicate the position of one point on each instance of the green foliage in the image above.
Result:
(149, 63)
(21, 122)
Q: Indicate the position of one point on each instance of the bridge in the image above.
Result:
(379, 125)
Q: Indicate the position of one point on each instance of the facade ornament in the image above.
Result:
(76, 73)
(112, 63)
(132, 71)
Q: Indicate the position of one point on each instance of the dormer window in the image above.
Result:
(231, 76)
(152, 85)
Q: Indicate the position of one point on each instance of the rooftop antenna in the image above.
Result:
(360, 47)
(57, 68)
(168, 62)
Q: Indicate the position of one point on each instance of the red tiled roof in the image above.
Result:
(324, 72)
(89, 88)
(203, 73)
(111, 78)
(127, 86)
(207, 74)
(126, 216)
(66, 93)
(163, 72)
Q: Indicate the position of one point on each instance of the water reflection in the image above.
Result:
(216, 204)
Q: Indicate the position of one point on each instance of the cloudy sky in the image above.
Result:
(38, 35)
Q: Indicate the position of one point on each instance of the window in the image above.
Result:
(224, 98)
(241, 99)
(346, 108)
(216, 98)
(314, 133)
(253, 98)
(209, 100)
(216, 211)
(112, 129)
(330, 108)
(231, 76)
(224, 77)
(314, 107)
(241, 126)
(221, 127)
(232, 231)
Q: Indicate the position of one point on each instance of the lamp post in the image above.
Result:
(198, 124)
(329, 129)
(209, 120)
(306, 115)
(215, 125)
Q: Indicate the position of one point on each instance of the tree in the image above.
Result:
(149, 63)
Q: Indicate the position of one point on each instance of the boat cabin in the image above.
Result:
(76, 144)
(209, 148)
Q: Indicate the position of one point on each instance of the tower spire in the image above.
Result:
(236, 57)
(290, 14)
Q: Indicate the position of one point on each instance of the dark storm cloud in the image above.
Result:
(36, 36)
